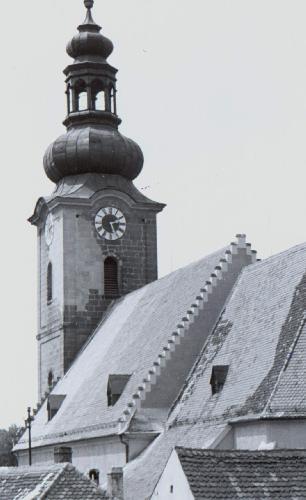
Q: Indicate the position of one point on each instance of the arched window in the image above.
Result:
(100, 101)
(111, 288)
(81, 96)
(49, 283)
(83, 101)
(50, 379)
(94, 476)
(113, 101)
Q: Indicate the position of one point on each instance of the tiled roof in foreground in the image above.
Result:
(47, 482)
(250, 475)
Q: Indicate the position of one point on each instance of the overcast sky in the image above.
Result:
(214, 91)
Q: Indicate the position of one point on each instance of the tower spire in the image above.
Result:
(93, 143)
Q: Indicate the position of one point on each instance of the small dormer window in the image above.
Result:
(55, 401)
(115, 387)
(218, 378)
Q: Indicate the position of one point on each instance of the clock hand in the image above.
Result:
(111, 224)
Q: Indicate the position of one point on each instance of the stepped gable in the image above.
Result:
(243, 474)
(268, 298)
(131, 340)
(254, 337)
(49, 482)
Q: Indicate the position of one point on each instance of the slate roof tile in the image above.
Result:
(140, 322)
(254, 337)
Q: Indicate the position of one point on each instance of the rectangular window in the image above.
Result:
(55, 401)
(115, 387)
(218, 378)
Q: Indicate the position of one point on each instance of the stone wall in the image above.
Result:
(77, 254)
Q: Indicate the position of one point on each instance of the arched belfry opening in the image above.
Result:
(111, 278)
(49, 283)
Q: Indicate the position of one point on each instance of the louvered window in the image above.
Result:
(111, 277)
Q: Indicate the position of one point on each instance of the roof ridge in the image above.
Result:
(215, 451)
(56, 477)
(182, 328)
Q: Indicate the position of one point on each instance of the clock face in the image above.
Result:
(110, 223)
(49, 229)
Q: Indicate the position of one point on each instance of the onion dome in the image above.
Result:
(89, 41)
(93, 150)
(92, 143)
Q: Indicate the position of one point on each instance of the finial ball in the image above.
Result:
(89, 4)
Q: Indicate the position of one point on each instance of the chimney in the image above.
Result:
(115, 483)
(62, 454)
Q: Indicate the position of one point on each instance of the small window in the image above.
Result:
(50, 379)
(111, 288)
(218, 378)
(113, 101)
(55, 401)
(100, 101)
(94, 476)
(49, 283)
(115, 387)
(83, 101)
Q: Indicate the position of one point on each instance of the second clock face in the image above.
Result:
(49, 229)
(110, 223)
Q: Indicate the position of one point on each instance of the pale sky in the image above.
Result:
(214, 91)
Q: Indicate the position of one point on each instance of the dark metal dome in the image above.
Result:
(92, 143)
(89, 41)
(93, 150)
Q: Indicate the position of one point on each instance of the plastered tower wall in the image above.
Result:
(50, 314)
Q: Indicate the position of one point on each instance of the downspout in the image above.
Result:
(127, 449)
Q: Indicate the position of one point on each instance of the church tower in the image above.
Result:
(96, 232)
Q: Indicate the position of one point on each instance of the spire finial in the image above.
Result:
(89, 20)
(89, 4)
